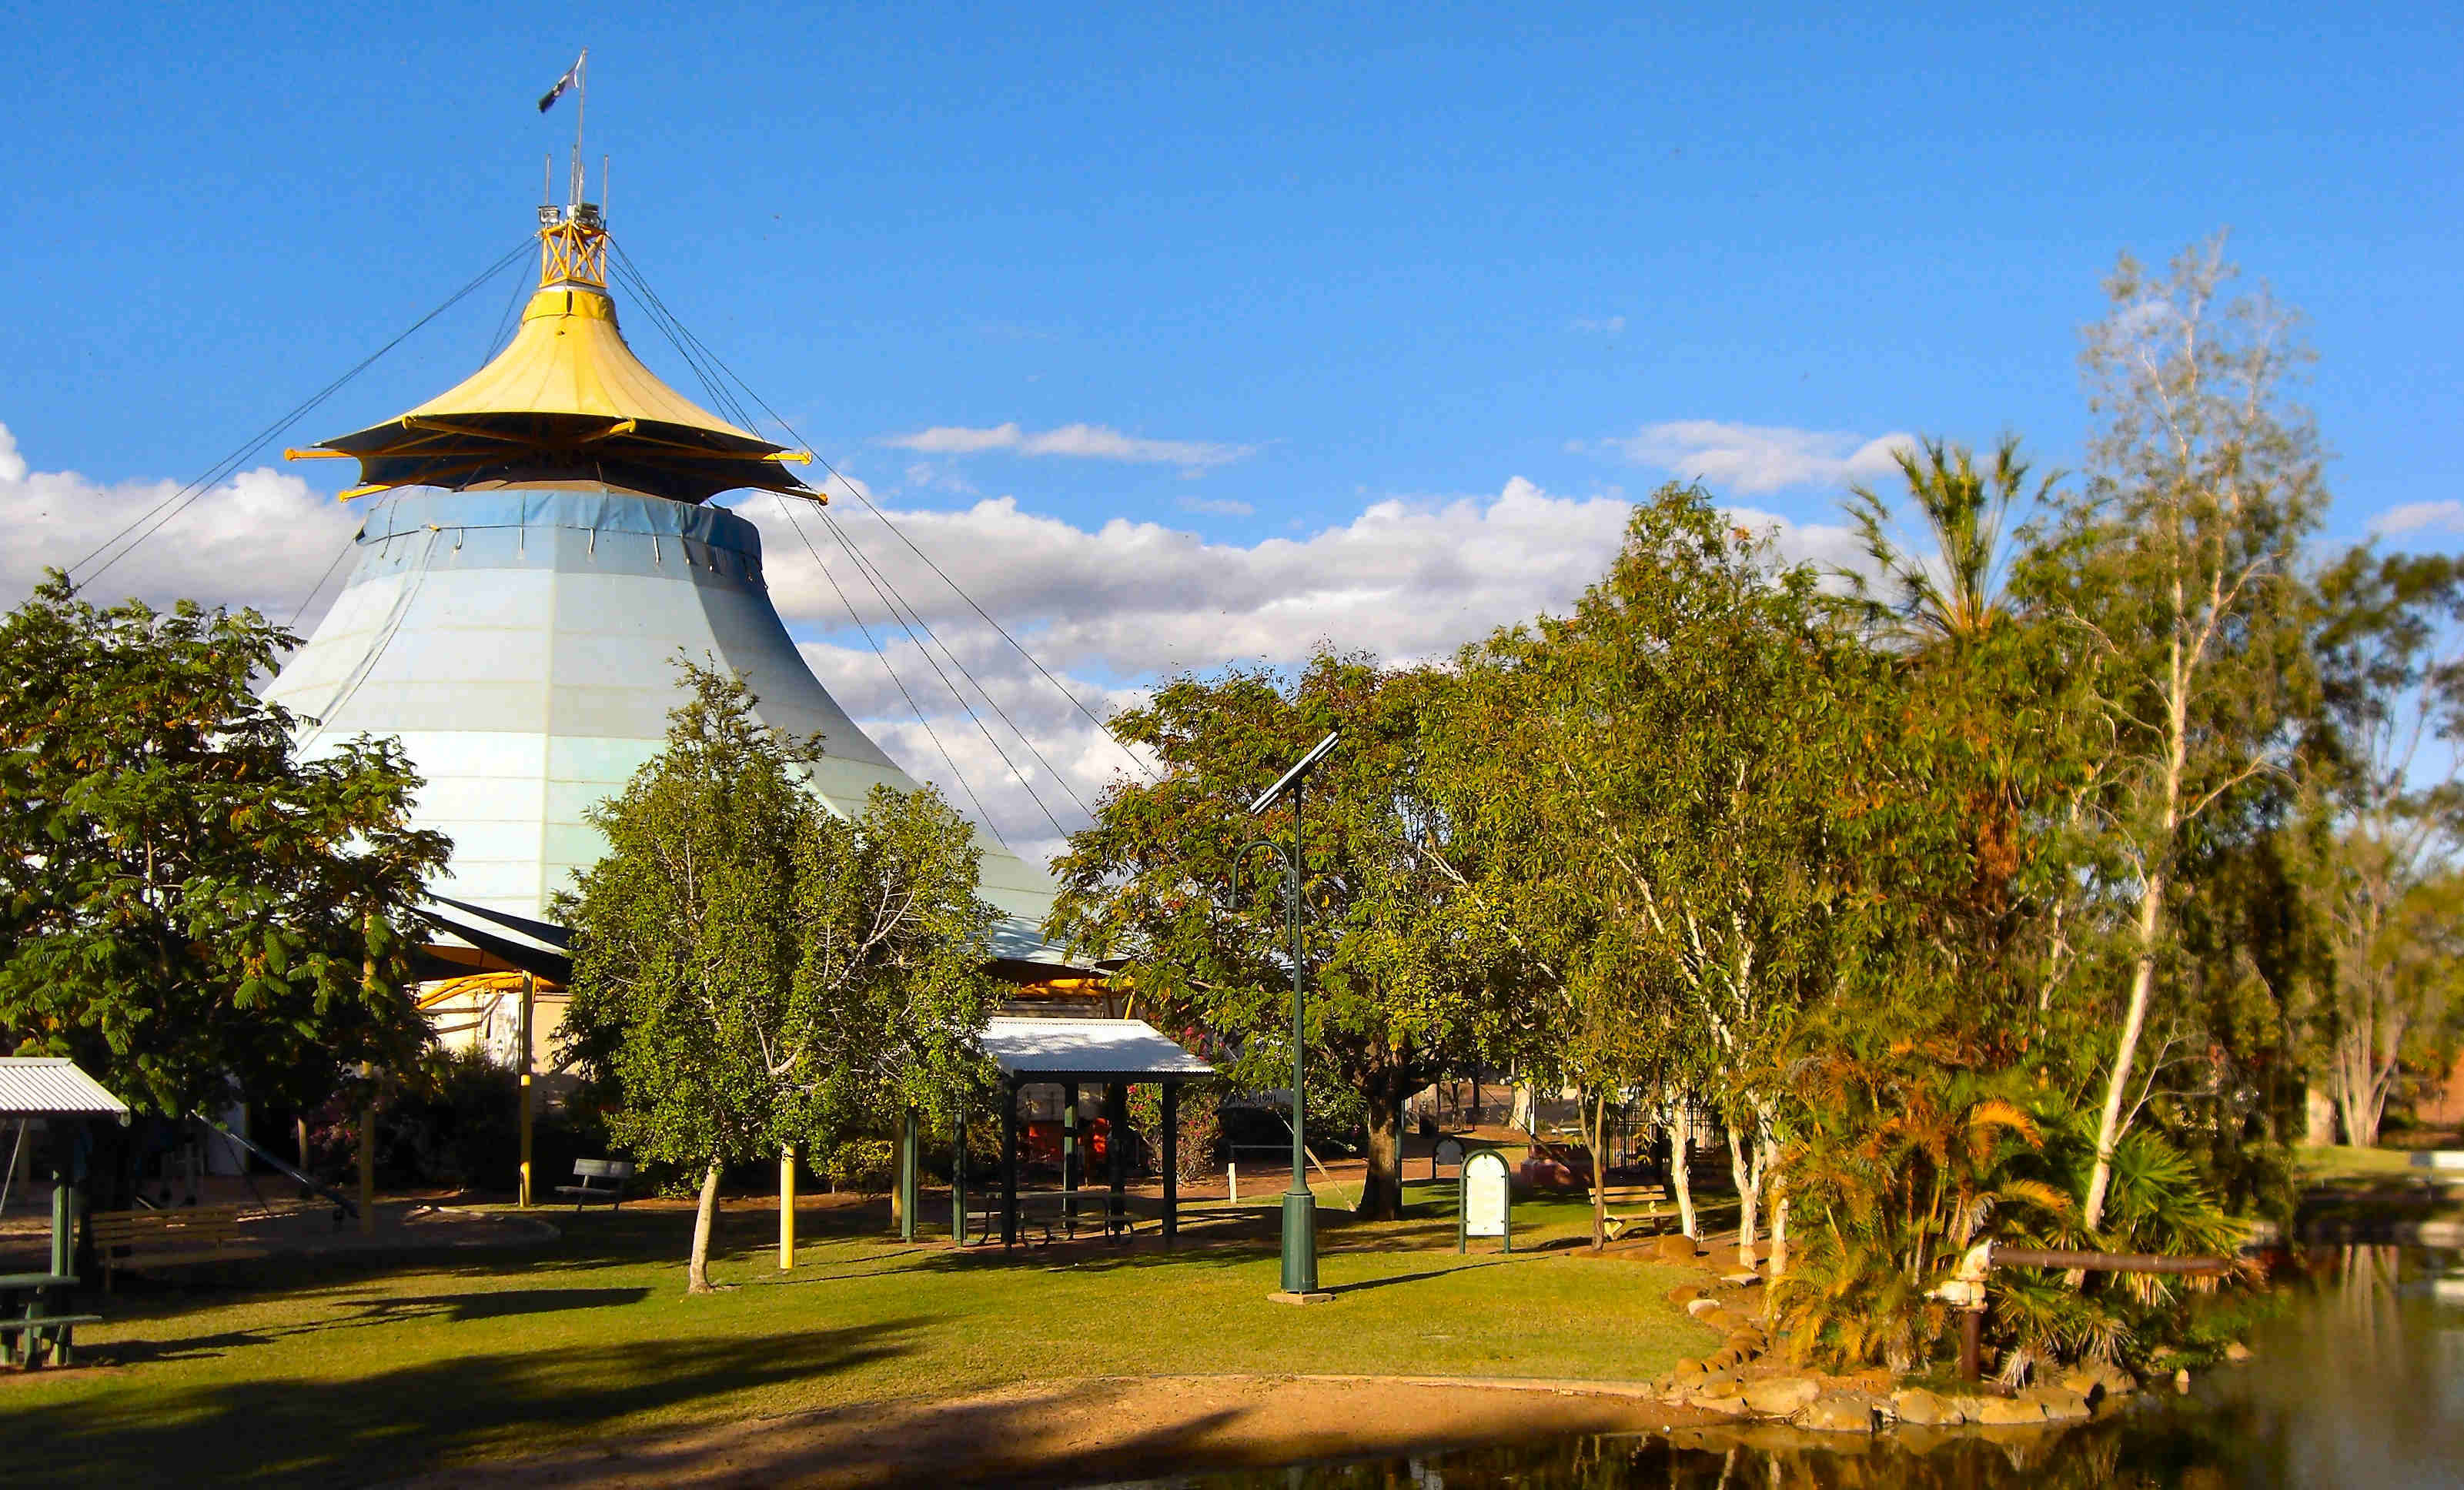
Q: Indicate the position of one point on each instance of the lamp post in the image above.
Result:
(1300, 1206)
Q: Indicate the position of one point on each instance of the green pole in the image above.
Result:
(959, 1177)
(1300, 1207)
(63, 1222)
(908, 1188)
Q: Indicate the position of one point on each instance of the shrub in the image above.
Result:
(862, 1166)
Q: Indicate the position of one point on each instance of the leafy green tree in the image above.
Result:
(1682, 732)
(1401, 964)
(2375, 851)
(752, 970)
(191, 911)
(2179, 557)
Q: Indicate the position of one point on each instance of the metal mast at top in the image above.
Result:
(580, 99)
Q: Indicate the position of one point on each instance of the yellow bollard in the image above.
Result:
(787, 1207)
(528, 985)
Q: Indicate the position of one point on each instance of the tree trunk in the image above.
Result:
(1748, 1175)
(1779, 1233)
(1680, 1164)
(1594, 1136)
(1524, 1114)
(2143, 984)
(697, 1270)
(2318, 1116)
(1382, 1181)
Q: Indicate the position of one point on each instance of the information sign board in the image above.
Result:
(1486, 1207)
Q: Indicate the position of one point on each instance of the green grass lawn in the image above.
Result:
(345, 1369)
(2342, 1162)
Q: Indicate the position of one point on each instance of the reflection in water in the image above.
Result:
(2360, 1382)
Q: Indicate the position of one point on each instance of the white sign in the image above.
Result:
(1484, 1194)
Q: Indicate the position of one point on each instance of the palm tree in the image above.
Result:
(1955, 593)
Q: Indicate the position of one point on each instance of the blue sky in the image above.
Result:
(1283, 267)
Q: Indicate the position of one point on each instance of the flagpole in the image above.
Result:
(581, 102)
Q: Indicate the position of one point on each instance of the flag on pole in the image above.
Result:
(572, 76)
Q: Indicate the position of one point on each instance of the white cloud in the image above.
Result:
(1128, 601)
(1752, 459)
(2440, 516)
(1608, 325)
(260, 538)
(1085, 442)
(1215, 507)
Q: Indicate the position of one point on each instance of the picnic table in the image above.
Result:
(28, 1331)
(1069, 1210)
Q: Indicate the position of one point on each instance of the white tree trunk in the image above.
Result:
(2318, 1116)
(1779, 1234)
(697, 1270)
(1748, 1175)
(2134, 1021)
(1680, 1168)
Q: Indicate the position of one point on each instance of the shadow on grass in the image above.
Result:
(407, 1421)
(383, 1310)
(1367, 1283)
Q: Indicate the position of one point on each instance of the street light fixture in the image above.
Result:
(1300, 1206)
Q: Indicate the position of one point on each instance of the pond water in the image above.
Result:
(2359, 1382)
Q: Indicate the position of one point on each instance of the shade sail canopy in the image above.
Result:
(53, 1086)
(1088, 1050)
(567, 401)
(502, 941)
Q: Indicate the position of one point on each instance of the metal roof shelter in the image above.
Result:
(32, 1087)
(52, 1087)
(1116, 1054)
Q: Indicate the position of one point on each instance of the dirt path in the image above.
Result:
(1107, 1428)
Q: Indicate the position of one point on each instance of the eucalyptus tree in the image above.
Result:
(1683, 730)
(2177, 557)
(1405, 970)
(751, 970)
(188, 908)
(2376, 859)
(1581, 1008)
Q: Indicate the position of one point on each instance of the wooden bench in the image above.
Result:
(611, 1194)
(141, 1241)
(1632, 1206)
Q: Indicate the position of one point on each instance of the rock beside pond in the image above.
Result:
(1685, 1293)
(2097, 1380)
(2237, 1352)
(2057, 1404)
(1721, 1320)
(2003, 1412)
(1741, 1279)
(1841, 1411)
(1779, 1396)
(1915, 1405)
(1677, 1249)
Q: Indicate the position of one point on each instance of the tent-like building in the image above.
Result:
(542, 550)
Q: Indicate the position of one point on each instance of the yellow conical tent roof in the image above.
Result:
(567, 399)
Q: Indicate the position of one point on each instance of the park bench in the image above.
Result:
(142, 1240)
(611, 1194)
(1632, 1206)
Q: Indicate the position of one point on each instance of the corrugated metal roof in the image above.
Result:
(53, 1086)
(1112, 1049)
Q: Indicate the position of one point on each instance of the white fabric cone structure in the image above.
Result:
(541, 558)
